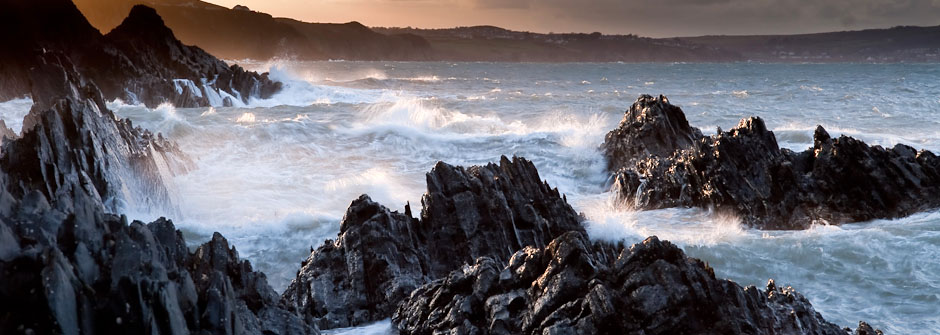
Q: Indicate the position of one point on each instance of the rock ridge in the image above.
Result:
(380, 256)
(743, 171)
(140, 61)
(575, 287)
(73, 268)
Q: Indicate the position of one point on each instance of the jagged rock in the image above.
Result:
(743, 171)
(101, 275)
(651, 126)
(574, 287)
(72, 268)
(866, 329)
(380, 256)
(77, 154)
(139, 61)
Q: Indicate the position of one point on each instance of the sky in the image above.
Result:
(654, 18)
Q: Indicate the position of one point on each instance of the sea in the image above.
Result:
(275, 176)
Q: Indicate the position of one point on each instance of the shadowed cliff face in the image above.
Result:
(660, 162)
(140, 61)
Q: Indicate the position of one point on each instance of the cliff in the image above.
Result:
(141, 61)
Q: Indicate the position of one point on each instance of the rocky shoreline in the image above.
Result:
(575, 287)
(659, 161)
(140, 61)
(494, 249)
(380, 257)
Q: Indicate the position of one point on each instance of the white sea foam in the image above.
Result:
(610, 220)
(280, 185)
(246, 118)
(186, 83)
(301, 90)
(13, 111)
(383, 327)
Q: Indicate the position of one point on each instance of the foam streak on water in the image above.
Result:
(276, 176)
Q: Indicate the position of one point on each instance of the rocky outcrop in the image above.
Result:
(745, 172)
(241, 33)
(100, 275)
(651, 126)
(140, 61)
(380, 256)
(72, 268)
(78, 155)
(574, 287)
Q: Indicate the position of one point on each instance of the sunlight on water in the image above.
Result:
(276, 176)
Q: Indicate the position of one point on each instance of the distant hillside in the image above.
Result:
(898, 44)
(239, 33)
(488, 43)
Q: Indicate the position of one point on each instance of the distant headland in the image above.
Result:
(241, 33)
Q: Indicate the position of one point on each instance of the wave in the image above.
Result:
(609, 220)
(422, 117)
(383, 327)
(302, 89)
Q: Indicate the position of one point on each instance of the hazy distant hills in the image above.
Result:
(488, 43)
(898, 44)
(240, 33)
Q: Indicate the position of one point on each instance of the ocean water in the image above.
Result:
(276, 176)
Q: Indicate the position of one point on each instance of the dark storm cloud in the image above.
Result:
(696, 17)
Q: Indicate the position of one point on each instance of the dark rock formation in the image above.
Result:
(241, 33)
(380, 256)
(574, 287)
(139, 61)
(744, 171)
(78, 155)
(68, 267)
(100, 275)
(651, 126)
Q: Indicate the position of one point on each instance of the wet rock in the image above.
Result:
(380, 256)
(743, 171)
(652, 126)
(140, 61)
(6, 133)
(79, 156)
(866, 329)
(73, 268)
(70, 266)
(132, 278)
(574, 287)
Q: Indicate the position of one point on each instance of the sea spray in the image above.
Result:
(278, 187)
